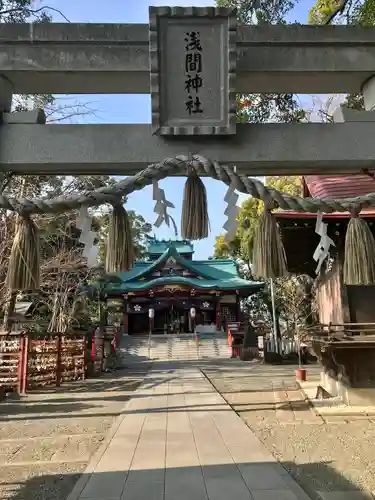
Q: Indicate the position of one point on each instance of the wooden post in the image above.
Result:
(102, 353)
(102, 314)
(238, 308)
(126, 316)
(58, 360)
(21, 361)
(126, 323)
(93, 347)
(23, 367)
(217, 312)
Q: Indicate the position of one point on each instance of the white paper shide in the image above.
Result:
(161, 207)
(322, 250)
(87, 237)
(231, 212)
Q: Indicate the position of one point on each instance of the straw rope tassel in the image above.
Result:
(24, 263)
(120, 254)
(269, 260)
(359, 263)
(194, 222)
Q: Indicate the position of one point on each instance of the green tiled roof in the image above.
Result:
(215, 274)
(159, 247)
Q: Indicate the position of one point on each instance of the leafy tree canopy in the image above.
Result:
(259, 108)
(349, 12)
(356, 12)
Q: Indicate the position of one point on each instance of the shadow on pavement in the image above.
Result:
(213, 482)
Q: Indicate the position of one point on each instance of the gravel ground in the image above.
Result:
(332, 454)
(48, 437)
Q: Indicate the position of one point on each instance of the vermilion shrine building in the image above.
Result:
(170, 282)
(338, 303)
(345, 345)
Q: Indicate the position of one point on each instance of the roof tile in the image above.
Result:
(333, 186)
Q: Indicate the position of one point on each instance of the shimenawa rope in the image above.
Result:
(201, 165)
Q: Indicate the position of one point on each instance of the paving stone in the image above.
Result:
(185, 484)
(143, 490)
(108, 484)
(273, 495)
(182, 441)
(225, 482)
(261, 477)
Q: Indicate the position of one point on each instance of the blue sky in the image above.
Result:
(137, 108)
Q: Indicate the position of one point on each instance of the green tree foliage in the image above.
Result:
(323, 10)
(255, 12)
(356, 12)
(350, 12)
(259, 306)
(21, 11)
(260, 108)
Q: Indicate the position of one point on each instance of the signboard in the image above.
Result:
(193, 68)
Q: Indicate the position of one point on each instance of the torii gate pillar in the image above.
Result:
(368, 92)
(6, 95)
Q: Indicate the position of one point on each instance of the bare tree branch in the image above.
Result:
(32, 12)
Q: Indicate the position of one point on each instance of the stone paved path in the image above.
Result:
(328, 455)
(48, 437)
(178, 439)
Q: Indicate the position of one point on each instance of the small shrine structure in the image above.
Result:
(345, 344)
(337, 303)
(168, 284)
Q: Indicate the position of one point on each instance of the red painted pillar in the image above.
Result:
(23, 367)
(21, 363)
(238, 308)
(58, 359)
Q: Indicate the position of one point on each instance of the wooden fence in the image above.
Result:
(52, 359)
(29, 361)
(284, 346)
(9, 362)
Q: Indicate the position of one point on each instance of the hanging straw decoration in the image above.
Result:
(120, 251)
(195, 222)
(269, 260)
(24, 263)
(359, 263)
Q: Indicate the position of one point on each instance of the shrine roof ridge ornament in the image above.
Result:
(59, 58)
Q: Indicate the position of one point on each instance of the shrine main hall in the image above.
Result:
(169, 292)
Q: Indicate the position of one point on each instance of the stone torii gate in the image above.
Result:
(193, 61)
(91, 58)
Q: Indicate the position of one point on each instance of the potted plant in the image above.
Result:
(301, 373)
